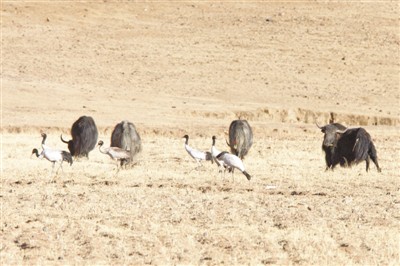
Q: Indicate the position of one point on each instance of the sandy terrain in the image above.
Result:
(191, 68)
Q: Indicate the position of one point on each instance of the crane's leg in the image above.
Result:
(52, 170)
(232, 170)
(199, 165)
(224, 174)
(116, 173)
(62, 170)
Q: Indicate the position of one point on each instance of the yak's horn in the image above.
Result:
(63, 139)
(227, 143)
(340, 131)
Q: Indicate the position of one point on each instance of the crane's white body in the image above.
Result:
(115, 153)
(53, 155)
(197, 155)
(231, 160)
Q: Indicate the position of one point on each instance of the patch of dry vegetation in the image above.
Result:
(164, 212)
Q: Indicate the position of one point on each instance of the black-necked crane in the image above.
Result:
(214, 153)
(231, 160)
(197, 155)
(53, 155)
(115, 153)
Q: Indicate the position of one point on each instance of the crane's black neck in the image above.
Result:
(36, 152)
(44, 138)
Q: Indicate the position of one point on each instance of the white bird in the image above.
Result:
(53, 155)
(231, 160)
(197, 155)
(214, 153)
(115, 153)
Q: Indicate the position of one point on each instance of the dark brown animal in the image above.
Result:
(84, 137)
(126, 137)
(329, 139)
(348, 146)
(240, 138)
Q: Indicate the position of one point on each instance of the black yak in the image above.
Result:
(84, 137)
(240, 138)
(126, 137)
(349, 146)
(329, 139)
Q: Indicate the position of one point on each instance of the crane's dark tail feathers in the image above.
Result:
(209, 157)
(247, 175)
(67, 157)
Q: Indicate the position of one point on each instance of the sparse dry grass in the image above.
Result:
(161, 212)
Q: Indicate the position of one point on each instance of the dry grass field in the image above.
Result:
(175, 68)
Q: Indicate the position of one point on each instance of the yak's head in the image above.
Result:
(332, 133)
(71, 146)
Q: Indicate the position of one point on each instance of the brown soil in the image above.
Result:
(191, 68)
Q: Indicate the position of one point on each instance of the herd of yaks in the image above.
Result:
(341, 145)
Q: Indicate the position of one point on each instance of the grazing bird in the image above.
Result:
(84, 137)
(53, 155)
(197, 155)
(240, 137)
(115, 153)
(233, 161)
(125, 136)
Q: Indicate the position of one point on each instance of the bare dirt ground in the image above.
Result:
(191, 68)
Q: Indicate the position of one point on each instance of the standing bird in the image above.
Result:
(53, 155)
(115, 153)
(231, 160)
(214, 153)
(197, 155)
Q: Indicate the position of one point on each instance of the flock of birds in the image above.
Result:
(224, 160)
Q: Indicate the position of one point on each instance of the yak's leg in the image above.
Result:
(367, 163)
(328, 161)
(374, 158)
(345, 162)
